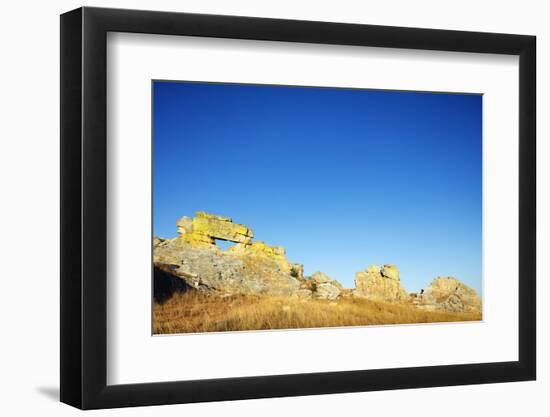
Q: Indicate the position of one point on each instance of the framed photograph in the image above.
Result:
(259, 208)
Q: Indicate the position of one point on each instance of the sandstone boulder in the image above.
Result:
(321, 278)
(326, 292)
(381, 284)
(449, 294)
(324, 287)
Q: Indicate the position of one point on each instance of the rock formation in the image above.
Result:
(449, 294)
(381, 284)
(247, 267)
(193, 261)
(260, 249)
(324, 287)
(204, 228)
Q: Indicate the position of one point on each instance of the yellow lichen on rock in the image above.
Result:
(262, 249)
(202, 231)
(198, 240)
(205, 215)
(204, 228)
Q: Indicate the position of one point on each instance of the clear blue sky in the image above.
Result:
(342, 178)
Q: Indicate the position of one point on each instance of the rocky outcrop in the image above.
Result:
(259, 249)
(381, 284)
(321, 286)
(205, 228)
(449, 294)
(212, 270)
(193, 261)
(324, 287)
(247, 267)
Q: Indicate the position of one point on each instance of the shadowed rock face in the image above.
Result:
(166, 283)
(380, 284)
(449, 294)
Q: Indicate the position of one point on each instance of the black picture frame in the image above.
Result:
(84, 207)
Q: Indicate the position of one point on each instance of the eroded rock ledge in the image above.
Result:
(205, 228)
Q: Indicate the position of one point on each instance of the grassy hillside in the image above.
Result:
(192, 312)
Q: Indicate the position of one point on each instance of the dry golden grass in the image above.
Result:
(195, 313)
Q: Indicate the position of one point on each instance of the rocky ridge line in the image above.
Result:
(193, 261)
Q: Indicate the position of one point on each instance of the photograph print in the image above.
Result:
(293, 207)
